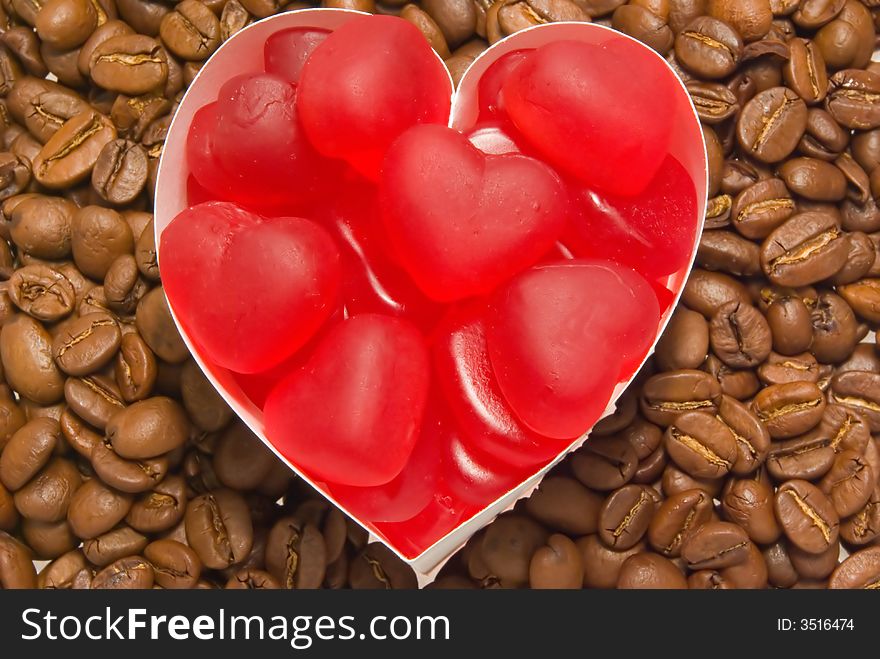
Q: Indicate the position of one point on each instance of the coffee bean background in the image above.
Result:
(745, 455)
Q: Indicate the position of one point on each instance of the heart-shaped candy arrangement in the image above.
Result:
(420, 313)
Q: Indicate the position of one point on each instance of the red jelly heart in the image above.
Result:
(462, 222)
(368, 82)
(249, 290)
(437, 519)
(602, 113)
(652, 232)
(372, 282)
(410, 491)
(490, 98)
(352, 414)
(259, 148)
(205, 168)
(462, 366)
(560, 335)
(195, 193)
(286, 51)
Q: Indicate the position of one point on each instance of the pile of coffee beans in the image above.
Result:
(746, 454)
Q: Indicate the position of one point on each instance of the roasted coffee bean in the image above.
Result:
(93, 398)
(252, 579)
(241, 460)
(739, 384)
(865, 357)
(625, 516)
(807, 457)
(78, 435)
(40, 226)
(113, 545)
(806, 515)
(679, 515)
(135, 368)
(824, 138)
(684, 343)
(156, 327)
(8, 514)
(749, 503)
(25, 349)
(42, 292)
(726, 251)
(781, 572)
(219, 528)
(643, 24)
(812, 14)
(127, 475)
(131, 573)
(864, 298)
(790, 409)
(203, 404)
(790, 325)
(706, 291)
(739, 335)
(60, 573)
(123, 285)
(563, 504)
(713, 101)
(860, 392)
(428, 27)
(667, 395)
(160, 509)
(66, 24)
(854, 98)
(624, 414)
(47, 496)
(87, 344)
(507, 549)
(849, 483)
(148, 428)
(807, 248)
(99, 236)
(805, 72)
(761, 207)
(28, 451)
(771, 124)
(23, 43)
(605, 463)
(859, 184)
(814, 179)
(131, 64)
(175, 564)
(718, 208)
(16, 564)
(708, 48)
(715, 545)
(48, 540)
(42, 105)
(650, 571)
(814, 566)
(120, 172)
(457, 19)
(860, 258)
(69, 155)
(701, 445)
(835, 330)
(377, 568)
(601, 564)
(96, 508)
(863, 527)
(859, 570)
(557, 565)
(191, 31)
(752, 438)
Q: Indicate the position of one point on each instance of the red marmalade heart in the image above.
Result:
(421, 317)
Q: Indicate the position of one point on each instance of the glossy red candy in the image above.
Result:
(249, 290)
(601, 113)
(200, 157)
(652, 232)
(286, 51)
(259, 147)
(462, 222)
(490, 98)
(410, 491)
(372, 281)
(488, 426)
(352, 414)
(442, 514)
(368, 82)
(195, 193)
(560, 335)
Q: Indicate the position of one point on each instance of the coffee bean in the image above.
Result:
(812, 14)
(96, 508)
(643, 24)
(87, 344)
(557, 565)
(135, 368)
(563, 504)
(191, 31)
(739, 335)
(376, 567)
(218, 527)
(507, 549)
(47, 496)
(752, 438)
(156, 327)
(854, 98)
(715, 545)
(860, 392)
(813, 179)
(28, 451)
(790, 409)
(625, 516)
(667, 395)
(761, 207)
(127, 475)
(93, 398)
(148, 428)
(726, 251)
(807, 248)
(42, 292)
(42, 105)
(749, 503)
(849, 483)
(806, 515)
(16, 564)
(60, 573)
(175, 565)
(131, 573)
(676, 518)
(130, 64)
(805, 72)
(835, 330)
(159, 509)
(859, 570)
(824, 138)
(708, 48)
(864, 526)
(650, 571)
(605, 463)
(771, 124)
(701, 445)
(69, 155)
(864, 298)
(738, 384)
(706, 291)
(120, 172)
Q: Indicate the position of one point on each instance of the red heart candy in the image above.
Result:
(249, 290)
(352, 414)
(602, 113)
(652, 233)
(369, 81)
(559, 337)
(287, 51)
(488, 425)
(462, 222)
